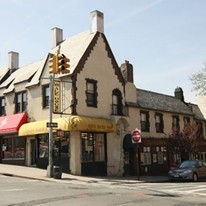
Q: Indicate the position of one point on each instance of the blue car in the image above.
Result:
(188, 170)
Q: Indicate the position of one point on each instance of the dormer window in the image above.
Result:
(117, 102)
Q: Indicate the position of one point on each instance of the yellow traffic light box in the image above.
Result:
(53, 64)
(63, 64)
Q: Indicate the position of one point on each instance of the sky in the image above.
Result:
(164, 40)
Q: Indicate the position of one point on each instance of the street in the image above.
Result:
(27, 192)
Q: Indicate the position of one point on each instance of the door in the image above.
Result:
(33, 151)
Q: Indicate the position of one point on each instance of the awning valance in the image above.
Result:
(72, 122)
(12, 123)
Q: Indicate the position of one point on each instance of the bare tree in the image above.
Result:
(199, 82)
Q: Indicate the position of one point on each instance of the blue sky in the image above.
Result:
(165, 40)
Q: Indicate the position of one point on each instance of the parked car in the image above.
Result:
(188, 170)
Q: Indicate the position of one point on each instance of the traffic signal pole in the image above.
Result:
(58, 63)
(50, 157)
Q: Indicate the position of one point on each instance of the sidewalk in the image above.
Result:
(41, 174)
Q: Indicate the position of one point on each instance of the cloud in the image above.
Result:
(136, 12)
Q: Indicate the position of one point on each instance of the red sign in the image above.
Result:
(136, 136)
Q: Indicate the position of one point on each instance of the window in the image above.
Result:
(93, 147)
(13, 148)
(175, 123)
(159, 124)
(199, 129)
(145, 156)
(144, 121)
(2, 106)
(91, 93)
(21, 102)
(116, 102)
(45, 97)
(186, 121)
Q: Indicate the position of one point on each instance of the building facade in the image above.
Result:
(94, 108)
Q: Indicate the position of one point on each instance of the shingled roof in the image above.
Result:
(161, 102)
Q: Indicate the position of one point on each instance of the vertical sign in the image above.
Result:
(57, 97)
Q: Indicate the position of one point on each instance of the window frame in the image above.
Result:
(91, 95)
(45, 97)
(117, 105)
(2, 106)
(20, 101)
(175, 123)
(159, 125)
(145, 125)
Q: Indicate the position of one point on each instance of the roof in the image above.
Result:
(73, 47)
(20, 75)
(197, 112)
(156, 101)
(3, 72)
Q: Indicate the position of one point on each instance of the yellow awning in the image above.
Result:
(72, 122)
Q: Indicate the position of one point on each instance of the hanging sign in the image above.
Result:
(56, 97)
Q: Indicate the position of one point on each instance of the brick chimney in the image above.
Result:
(179, 94)
(127, 71)
(13, 61)
(57, 36)
(97, 21)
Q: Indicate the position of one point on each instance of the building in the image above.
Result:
(95, 108)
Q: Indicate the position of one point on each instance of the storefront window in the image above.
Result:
(93, 147)
(145, 156)
(13, 148)
(43, 146)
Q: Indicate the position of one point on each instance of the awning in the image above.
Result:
(127, 142)
(12, 123)
(72, 122)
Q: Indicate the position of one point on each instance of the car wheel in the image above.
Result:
(194, 177)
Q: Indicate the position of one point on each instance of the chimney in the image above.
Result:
(97, 21)
(179, 94)
(57, 36)
(13, 61)
(127, 71)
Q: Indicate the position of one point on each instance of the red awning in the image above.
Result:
(12, 123)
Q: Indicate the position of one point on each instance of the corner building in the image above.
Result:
(96, 107)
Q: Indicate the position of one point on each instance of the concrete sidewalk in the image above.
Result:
(41, 174)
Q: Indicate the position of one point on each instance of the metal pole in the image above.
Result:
(137, 156)
(50, 157)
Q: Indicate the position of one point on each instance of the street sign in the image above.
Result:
(52, 124)
(136, 136)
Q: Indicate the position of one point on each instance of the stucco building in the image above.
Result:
(96, 107)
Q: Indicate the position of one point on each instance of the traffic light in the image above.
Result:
(53, 64)
(63, 64)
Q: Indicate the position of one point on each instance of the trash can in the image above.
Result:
(57, 172)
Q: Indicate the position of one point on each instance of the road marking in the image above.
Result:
(12, 190)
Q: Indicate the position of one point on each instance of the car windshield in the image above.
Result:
(188, 164)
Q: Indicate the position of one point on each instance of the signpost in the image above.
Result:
(136, 139)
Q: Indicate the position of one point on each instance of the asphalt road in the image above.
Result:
(26, 192)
